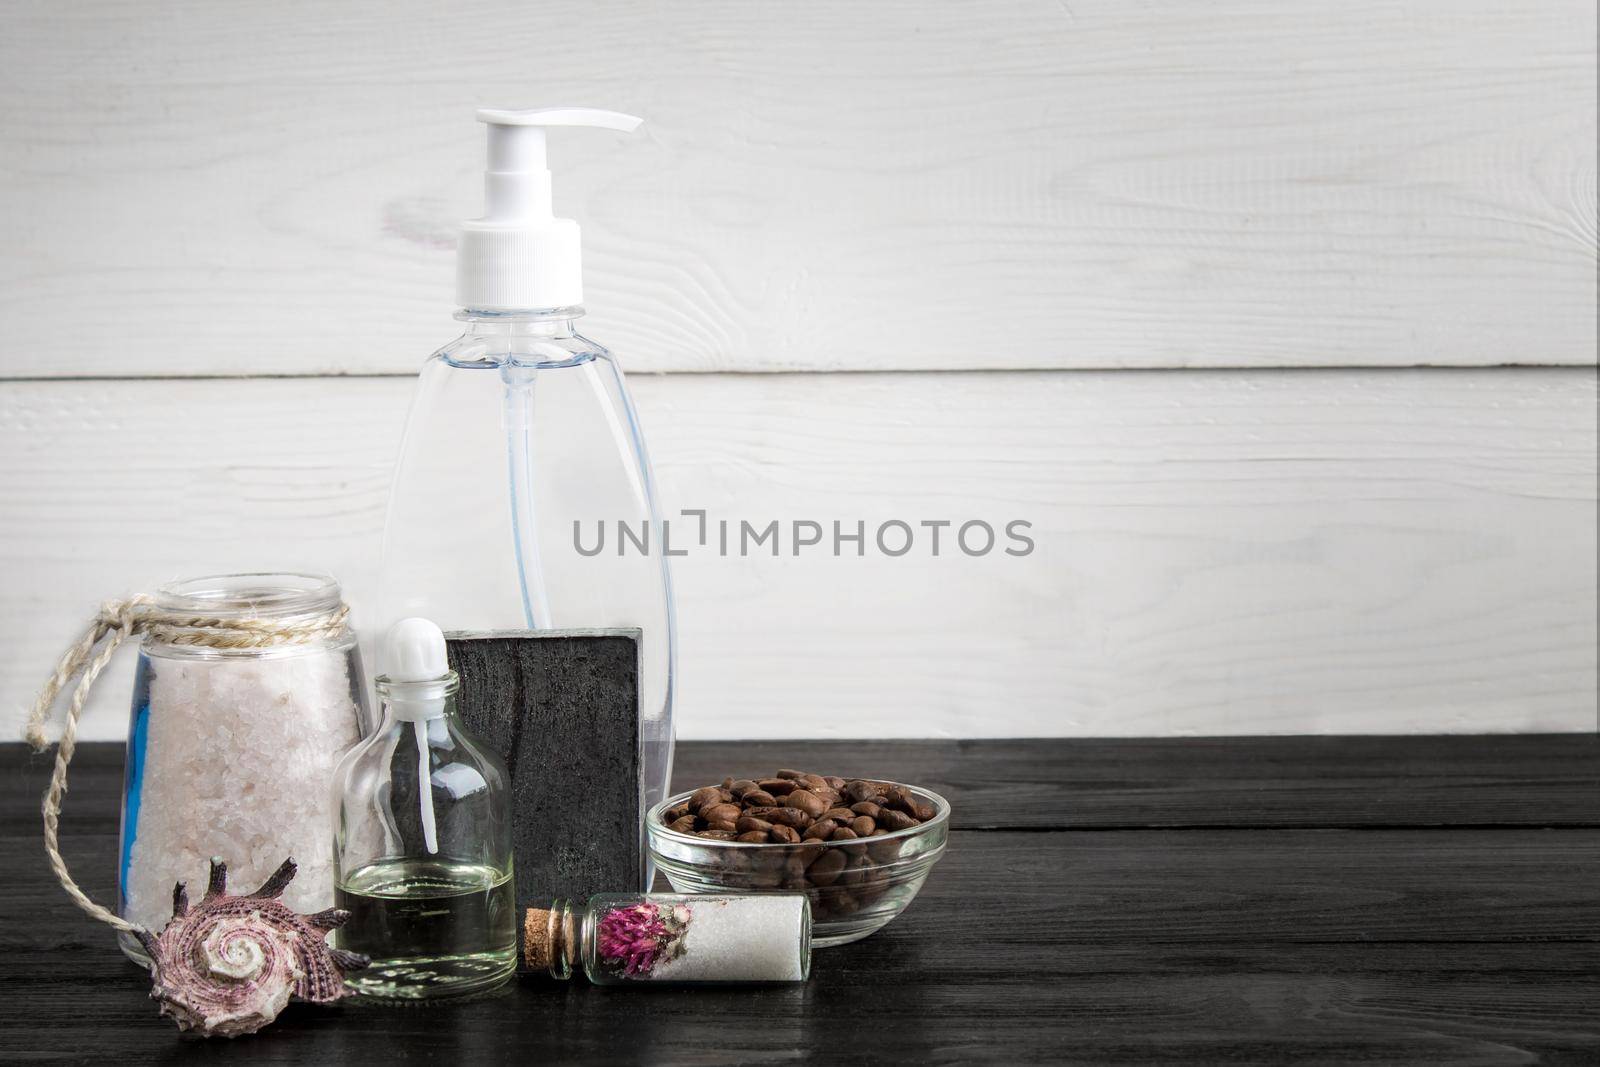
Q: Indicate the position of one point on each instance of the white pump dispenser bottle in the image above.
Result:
(522, 450)
(519, 255)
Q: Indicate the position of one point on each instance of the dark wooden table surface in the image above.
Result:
(1372, 900)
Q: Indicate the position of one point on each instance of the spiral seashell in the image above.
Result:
(229, 965)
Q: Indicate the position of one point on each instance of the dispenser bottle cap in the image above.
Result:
(519, 256)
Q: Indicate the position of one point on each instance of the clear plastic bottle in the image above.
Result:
(422, 854)
(619, 938)
(522, 449)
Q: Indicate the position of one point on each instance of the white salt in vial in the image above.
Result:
(665, 937)
(235, 733)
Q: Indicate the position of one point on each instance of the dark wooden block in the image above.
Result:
(562, 708)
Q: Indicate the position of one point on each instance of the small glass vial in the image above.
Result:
(423, 846)
(619, 938)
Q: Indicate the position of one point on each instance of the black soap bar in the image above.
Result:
(562, 708)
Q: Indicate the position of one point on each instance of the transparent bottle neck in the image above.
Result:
(530, 322)
(428, 701)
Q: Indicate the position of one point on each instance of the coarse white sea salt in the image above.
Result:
(238, 754)
(740, 939)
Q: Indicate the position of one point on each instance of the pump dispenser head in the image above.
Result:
(519, 256)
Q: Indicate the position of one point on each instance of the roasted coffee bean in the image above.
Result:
(768, 859)
(684, 824)
(730, 825)
(751, 824)
(784, 834)
(807, 802)
(843, 833)
(704, 797)
(814, 782)
(822, 902)
(862, 825)
(858, 790)
(826, 868)
(884, 851)
(906, 801)
(811, 851)
(891, 819)
(789, 817)
(754, 837)
(718, 835)
(720, 813)
(819, 830)
(791, 774)
(754, 797)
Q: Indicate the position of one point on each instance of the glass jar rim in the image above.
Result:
(251, 595)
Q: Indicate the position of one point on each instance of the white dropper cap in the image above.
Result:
(414, 652)
(519, 255)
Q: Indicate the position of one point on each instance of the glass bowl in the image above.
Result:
(855, 887)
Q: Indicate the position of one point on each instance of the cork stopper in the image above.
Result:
(550, 939)
(538, 939)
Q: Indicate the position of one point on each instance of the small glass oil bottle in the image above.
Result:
(422, 856)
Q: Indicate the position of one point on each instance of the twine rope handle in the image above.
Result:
(116, 621)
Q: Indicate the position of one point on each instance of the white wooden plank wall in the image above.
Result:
(1037, 224)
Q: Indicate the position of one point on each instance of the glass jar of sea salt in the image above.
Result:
(248, 691)
(619, 938)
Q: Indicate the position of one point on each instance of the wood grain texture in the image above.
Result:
(1497, 781)
(1216, 886)
(1119, 783)
(1212, 886)
(1217, 552)
(1383, 1004)
(1470, 945)
(272, 188)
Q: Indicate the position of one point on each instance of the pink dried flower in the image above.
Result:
(633, 937)
(643, 935)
